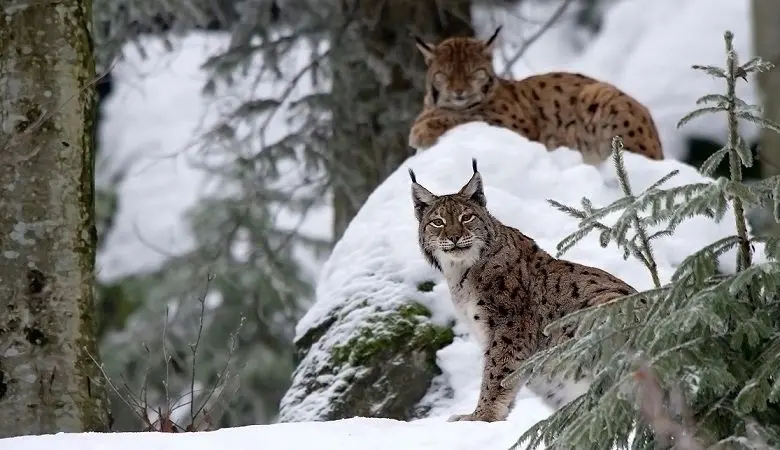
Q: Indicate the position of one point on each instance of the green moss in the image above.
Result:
(426, 286)
(403, 330)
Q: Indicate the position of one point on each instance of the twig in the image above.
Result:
(537, 34)
(221, 379)
(166, 359)
(124, 398)
(194, 347)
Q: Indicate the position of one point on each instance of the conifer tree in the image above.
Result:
(694, 362)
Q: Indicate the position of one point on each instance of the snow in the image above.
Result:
(645, 48)
(148, 124)
(358, 433)
(150, 135)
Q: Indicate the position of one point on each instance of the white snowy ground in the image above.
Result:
(646, 48)
(350, 434)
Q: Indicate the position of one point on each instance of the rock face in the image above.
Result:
(382, 368)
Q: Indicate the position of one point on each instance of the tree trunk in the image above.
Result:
(48, 381)
(378, 90)
(766, 40)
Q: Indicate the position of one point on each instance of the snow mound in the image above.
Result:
(378, 256)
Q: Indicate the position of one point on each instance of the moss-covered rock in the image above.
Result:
(398, 332)
(366, 360)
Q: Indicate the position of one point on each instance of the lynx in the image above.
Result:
(507, 289)
(555, 109)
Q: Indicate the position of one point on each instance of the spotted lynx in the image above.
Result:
(506, 289)
(555, 109)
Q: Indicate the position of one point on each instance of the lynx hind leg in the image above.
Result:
(502, 357)
(607, 112)
(556, 392)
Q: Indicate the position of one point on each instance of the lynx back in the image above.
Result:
(555, 109)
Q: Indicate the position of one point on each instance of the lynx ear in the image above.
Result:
(492, 39)
(473, 189)
(425, 48)
(421, 197)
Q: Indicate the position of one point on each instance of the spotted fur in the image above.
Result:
(555, 108)
(507, 289)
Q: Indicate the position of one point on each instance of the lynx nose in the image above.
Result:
(454, 239)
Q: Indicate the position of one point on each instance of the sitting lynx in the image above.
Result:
(555, 109)
(507, 289)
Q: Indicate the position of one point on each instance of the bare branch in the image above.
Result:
(557, 14)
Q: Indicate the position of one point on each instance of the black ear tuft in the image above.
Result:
(425, 48)
(411, 175)
(422, 43)
(473, 189)
(492, 38)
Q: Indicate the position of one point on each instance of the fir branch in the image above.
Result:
(644, 250)
(714, 71)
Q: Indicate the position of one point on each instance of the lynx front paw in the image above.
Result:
(473, 417)
(421, 138)
(461, 418)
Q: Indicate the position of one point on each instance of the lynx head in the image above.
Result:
(460, 71)
(453, 228)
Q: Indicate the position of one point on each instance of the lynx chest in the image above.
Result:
(465, 297)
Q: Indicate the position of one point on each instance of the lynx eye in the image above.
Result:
(481, 74)
(438, 223)
(466, 218)
(439, 78)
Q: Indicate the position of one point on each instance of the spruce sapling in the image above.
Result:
(692, 363)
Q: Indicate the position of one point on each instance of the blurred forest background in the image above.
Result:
(247, 276)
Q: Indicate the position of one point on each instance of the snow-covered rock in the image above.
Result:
(376, 269)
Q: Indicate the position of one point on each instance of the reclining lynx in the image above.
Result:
(555, 109)
(506, 289)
